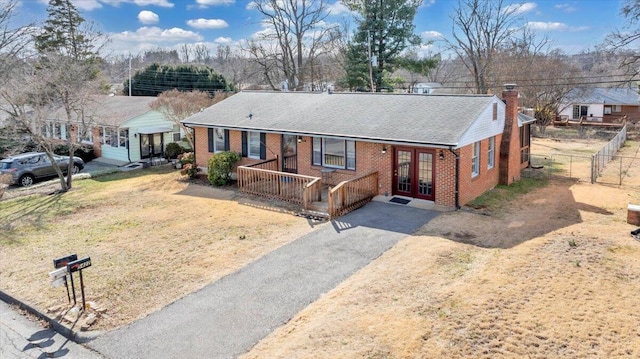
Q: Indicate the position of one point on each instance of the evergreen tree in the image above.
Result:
(62, 33)
(385, 29)
(155, 79)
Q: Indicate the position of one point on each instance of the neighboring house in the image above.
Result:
(445, 149)
(123, 129)
(426, 87)
(606, 105)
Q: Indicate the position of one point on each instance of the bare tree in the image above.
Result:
(178, 105)
(480, 28)
(185, 51)
(298, 32)
(629, 36)
(60, 95)
(201, 54)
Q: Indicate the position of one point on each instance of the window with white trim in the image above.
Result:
(491, 152)
(253, 139)
(617, 108)
(113, 136)
(475, 160)
(87, 136)
(218, 140)
(334, 153)
(176, 134)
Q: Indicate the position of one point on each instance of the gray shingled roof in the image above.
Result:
(524, 119)
(407, 118)
(612, 96)
(115, 110)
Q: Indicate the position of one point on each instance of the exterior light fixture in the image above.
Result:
(384, 149)
(300, 139)
(441, 155)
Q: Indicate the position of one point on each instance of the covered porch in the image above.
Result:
(315, 197)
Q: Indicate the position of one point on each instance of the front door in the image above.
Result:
(413, 174)
(289, 154)
(151, 145)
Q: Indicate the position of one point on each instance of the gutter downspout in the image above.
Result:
(457, 180)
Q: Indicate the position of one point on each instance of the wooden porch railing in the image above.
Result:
(271, 165)
(278, 185)
(353, 194)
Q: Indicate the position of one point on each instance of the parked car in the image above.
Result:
(26, 168)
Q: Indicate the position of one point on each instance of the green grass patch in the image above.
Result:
(501, 195)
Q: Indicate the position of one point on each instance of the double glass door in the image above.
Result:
(413, 174)
(151, 145)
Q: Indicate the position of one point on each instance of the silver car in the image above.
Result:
(26, 168)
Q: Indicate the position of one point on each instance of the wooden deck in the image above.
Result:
(315, 198)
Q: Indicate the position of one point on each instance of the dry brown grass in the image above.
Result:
(152, 239)
(555, 275)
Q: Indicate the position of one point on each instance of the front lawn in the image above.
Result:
(152, 238)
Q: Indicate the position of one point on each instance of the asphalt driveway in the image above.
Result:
(229, 316)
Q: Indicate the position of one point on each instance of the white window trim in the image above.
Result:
(321, 141)
(475, 160)
(491, 153)
(218, 143)
(253, 141)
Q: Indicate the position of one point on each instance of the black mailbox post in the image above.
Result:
(77, 266)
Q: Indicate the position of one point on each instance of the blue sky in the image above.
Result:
(137, 25)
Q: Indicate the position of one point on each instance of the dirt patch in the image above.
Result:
(152, 238)
(554, 274)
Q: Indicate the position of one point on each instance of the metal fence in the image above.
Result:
(559, 165)
(605, 166)
(606, 153)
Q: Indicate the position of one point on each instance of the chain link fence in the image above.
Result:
(609, 165)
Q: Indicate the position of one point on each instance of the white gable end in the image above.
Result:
(484, 126)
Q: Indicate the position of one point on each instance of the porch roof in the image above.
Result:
(439, 120)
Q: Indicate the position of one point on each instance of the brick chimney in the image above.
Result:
(510, 144)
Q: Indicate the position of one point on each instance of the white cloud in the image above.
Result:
(337, 8)
(566, 8)
(519, 9)
(148, 17)
(223, 40)
(87, 5)
(431, 35)
(161, 3)
(207, 3)
(155, 34)
(207, 23)
(547, 26)
(250, 5)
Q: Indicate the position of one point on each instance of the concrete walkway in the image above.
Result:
(229, 316)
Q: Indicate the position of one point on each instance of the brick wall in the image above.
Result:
(369, 158)
(472, 187)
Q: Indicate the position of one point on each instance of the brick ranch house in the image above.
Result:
(448, 149)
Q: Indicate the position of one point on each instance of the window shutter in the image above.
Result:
(210, 135)
(244, 144)
(263, 146)
(226, 140)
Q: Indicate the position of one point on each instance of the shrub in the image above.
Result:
(220, 166)
(84, 152)
(173, 150)
(188, 162)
